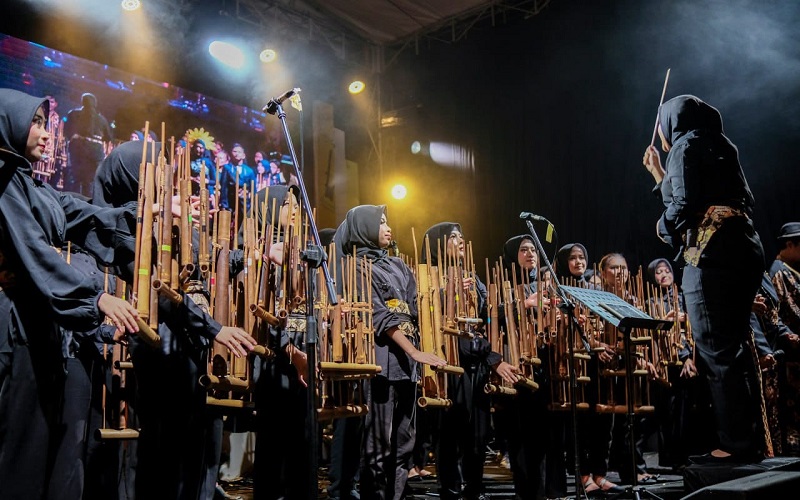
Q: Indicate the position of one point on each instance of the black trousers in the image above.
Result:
(463, 433)
(389, 435)
(526, 443)
(345, 456)
(281, 462)
(31, 393)
(171, 410)
(719, 294)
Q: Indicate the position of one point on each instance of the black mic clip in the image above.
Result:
(272, 105)
(532, 216)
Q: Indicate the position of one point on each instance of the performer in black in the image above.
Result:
(87, 132)
(40, 291)
(172, 455)
(464, 427)
(708, 218)
(389, 425)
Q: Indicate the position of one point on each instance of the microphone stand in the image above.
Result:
(314, 256)
(567, 306)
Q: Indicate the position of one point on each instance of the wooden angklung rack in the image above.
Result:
(621, 320)
(563, 357)
(667, 344)
(346, 339)
(497, 337)
(438, 328)
(115, 396)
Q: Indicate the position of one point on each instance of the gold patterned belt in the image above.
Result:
(712, 220)
(296, 324)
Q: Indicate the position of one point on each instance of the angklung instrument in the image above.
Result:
(346, 356)
(438, 326)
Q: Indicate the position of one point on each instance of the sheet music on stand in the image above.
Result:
(615, 310)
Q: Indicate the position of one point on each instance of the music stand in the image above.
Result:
(624, 316)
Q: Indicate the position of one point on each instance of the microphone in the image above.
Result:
(532, 216)
(272, 105)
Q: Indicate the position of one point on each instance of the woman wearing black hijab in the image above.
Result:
(674, 403)
(708, 219)
(39, 291)
(172, 450)
(391, 395)
(464, 427)
(281, 463)
(527, 446)
(594, 429)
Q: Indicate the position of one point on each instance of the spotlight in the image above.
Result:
(399, 191)
(421, 148)
(268, 55)
(227, 53)
(356, 87)
(130, 4)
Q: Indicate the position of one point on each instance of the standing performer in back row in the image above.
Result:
(708, 217)
(389, 429)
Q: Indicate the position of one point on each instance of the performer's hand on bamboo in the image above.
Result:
(671, 316)
(507, 372)
(652, 373)
(300, 362)
(236, 340)
(532, 300)
(689, 370)
(428, 359)
(652, 161)
(607, 354)
(121, 313)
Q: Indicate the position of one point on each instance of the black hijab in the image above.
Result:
(116, 181)
(326, 236)
(686, 113)
(361, 231)
(273, 195)
(438, 236)
(511, 251)
(651, 269)
(562, 261)
(17, 110)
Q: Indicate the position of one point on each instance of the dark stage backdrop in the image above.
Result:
(558, 111)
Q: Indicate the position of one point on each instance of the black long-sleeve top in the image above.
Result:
(702, 168)
(394, 305)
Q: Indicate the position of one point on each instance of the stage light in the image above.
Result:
(268, 55)
(227, 53)
(130, 4)
(416, 147)
(399, 191)
(356, 87)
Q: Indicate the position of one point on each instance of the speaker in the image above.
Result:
(762, 486)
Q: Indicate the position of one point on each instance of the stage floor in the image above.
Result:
(499, 484)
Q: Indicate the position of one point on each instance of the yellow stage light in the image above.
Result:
(399, 191)
(268, 55)
(356, 87)
(130, 4)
